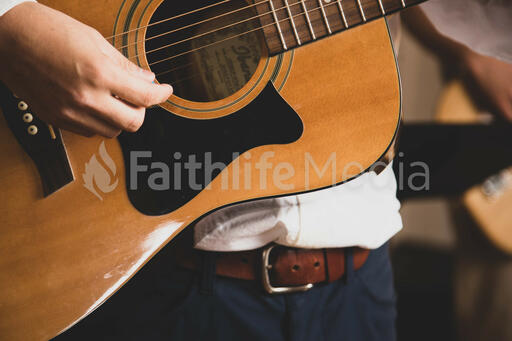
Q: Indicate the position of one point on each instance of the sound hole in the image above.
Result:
(207, 55)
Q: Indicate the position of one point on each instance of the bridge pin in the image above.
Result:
(22, 106)
(32, 130)
(27, 118)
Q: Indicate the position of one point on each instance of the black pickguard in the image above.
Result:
(266, 120)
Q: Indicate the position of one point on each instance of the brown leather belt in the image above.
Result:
(281, 269)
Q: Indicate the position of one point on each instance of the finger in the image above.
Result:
(74, 128)
(84, 120)
(120, 114)
(66, 123)
(119, 59)
(136, 91)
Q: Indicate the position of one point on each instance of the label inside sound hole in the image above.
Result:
(208, 55)
(225, 66)
(228, 64)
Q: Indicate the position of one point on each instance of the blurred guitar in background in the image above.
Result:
(489, 203)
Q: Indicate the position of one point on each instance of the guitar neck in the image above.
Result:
(288, 24)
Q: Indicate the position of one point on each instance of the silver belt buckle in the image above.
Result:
(266, 266)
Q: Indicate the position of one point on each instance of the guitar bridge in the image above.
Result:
(40, 141)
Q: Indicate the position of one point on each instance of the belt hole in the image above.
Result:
(296, 267)
(317, 264)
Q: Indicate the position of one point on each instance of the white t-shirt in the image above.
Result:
(363, 212)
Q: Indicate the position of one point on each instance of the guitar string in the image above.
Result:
(181, 28)
(216, 17)
(169, 19)
(201, 34)
(174, 69)
(203, 21)
(232, 37)
(338, 2)
(205, 46)
(216, 42)
(194, 75)
(191, 12)
(223, 40)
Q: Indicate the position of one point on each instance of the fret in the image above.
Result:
(288, 24)
(361, 10)
(292, 21)
(381, 7)
(325, 16)
(308, 20)
(283, 42)
(340, 6)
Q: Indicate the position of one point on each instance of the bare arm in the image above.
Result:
(70, 75)
(491, 78)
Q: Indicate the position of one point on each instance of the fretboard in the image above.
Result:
(288, 24)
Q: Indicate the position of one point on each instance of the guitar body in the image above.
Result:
(64, 254)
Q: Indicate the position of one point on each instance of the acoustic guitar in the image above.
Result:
(488, 202)
(268, 101)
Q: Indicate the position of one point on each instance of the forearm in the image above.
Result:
(489, 77)
(13, 37)
(423, 30)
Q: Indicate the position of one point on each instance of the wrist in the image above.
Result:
(12, 28)
(455, 56)
(468, 61)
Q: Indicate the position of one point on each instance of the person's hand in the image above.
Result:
(490, 78)
(71, 76)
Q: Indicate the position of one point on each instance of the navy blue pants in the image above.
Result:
(165, 302)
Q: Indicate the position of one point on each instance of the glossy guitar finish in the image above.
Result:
(62, 255)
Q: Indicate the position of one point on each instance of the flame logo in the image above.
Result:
(97, 174)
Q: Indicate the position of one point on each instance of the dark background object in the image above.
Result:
(458, 156)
